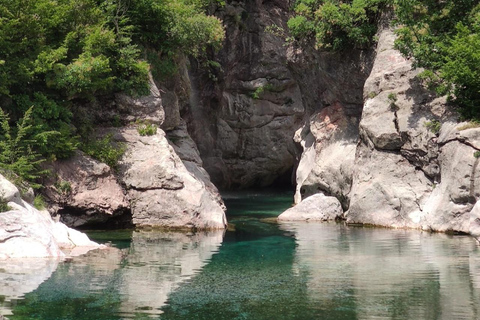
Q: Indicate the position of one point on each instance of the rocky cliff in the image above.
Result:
(357, 126)
(158, 182)
(244, 119)
(413, 164)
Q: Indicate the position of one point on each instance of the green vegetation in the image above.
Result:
(146, 129)
(336, 24)
(63, 187)
(39, 202)
(476, 154)
(261, 89)
(433, 126)
(392, 98)
(105, 150)
(442, 36)
(470, 125)
(4, 207)
(55, 54)
(372, 95)
(17, 148)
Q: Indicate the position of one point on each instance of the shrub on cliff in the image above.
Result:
(442, 36)
(57, 53)
(335, 24)
(17, 149)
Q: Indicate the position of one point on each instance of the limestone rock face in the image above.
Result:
(414, 165)
(314, 208)
(28, 233)
(244, 119)
(326, 165)
(244, 122)
(84, 191)
(146, 108)
(162, 192)
(475, 221)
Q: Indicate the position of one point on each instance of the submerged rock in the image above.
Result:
(314, 208)
(26, 232)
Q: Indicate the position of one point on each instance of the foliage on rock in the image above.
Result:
(335, 24)
(17, 148)
(54, 53)
(443, 37)
(104, 150)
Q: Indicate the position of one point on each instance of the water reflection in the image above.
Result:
(157, 263)
(121, 284)
(21, 276)
(388, 274)
(259, 271)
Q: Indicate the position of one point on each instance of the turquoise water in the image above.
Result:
(257, 270)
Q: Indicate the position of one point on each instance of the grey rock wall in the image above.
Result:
(405, 174)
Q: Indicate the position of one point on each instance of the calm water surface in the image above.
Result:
(257, 270)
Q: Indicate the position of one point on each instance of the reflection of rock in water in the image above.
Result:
(389, 274)
(157, 263)
(21, 276)
(113, 284)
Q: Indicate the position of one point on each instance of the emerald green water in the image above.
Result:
(257, 270)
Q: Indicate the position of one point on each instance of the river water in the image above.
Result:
(259, 269)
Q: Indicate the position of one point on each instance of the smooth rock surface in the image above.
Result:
(162, 192)
(314, 208)
(475, 221)
(26, 232)
(146, 108)
(326, 165)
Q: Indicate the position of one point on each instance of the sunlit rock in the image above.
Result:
(314, 208)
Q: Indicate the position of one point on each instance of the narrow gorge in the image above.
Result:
(356, 129)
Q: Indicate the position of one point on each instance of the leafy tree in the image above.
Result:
(54, 53)
(336, 24)
(444, 38)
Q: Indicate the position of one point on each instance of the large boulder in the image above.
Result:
(162, 192)
(84, 191)
(415, 165)
(27, 232)
(326, 165)
(314, 208)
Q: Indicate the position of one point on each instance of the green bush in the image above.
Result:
(104, 150)
(434, 126)
(39, 202)
(336, 24)
(56, 55)
(444, 38)
(4, 207)
(17, 149)
(476, 154)
(63, 187)
(147, 129)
